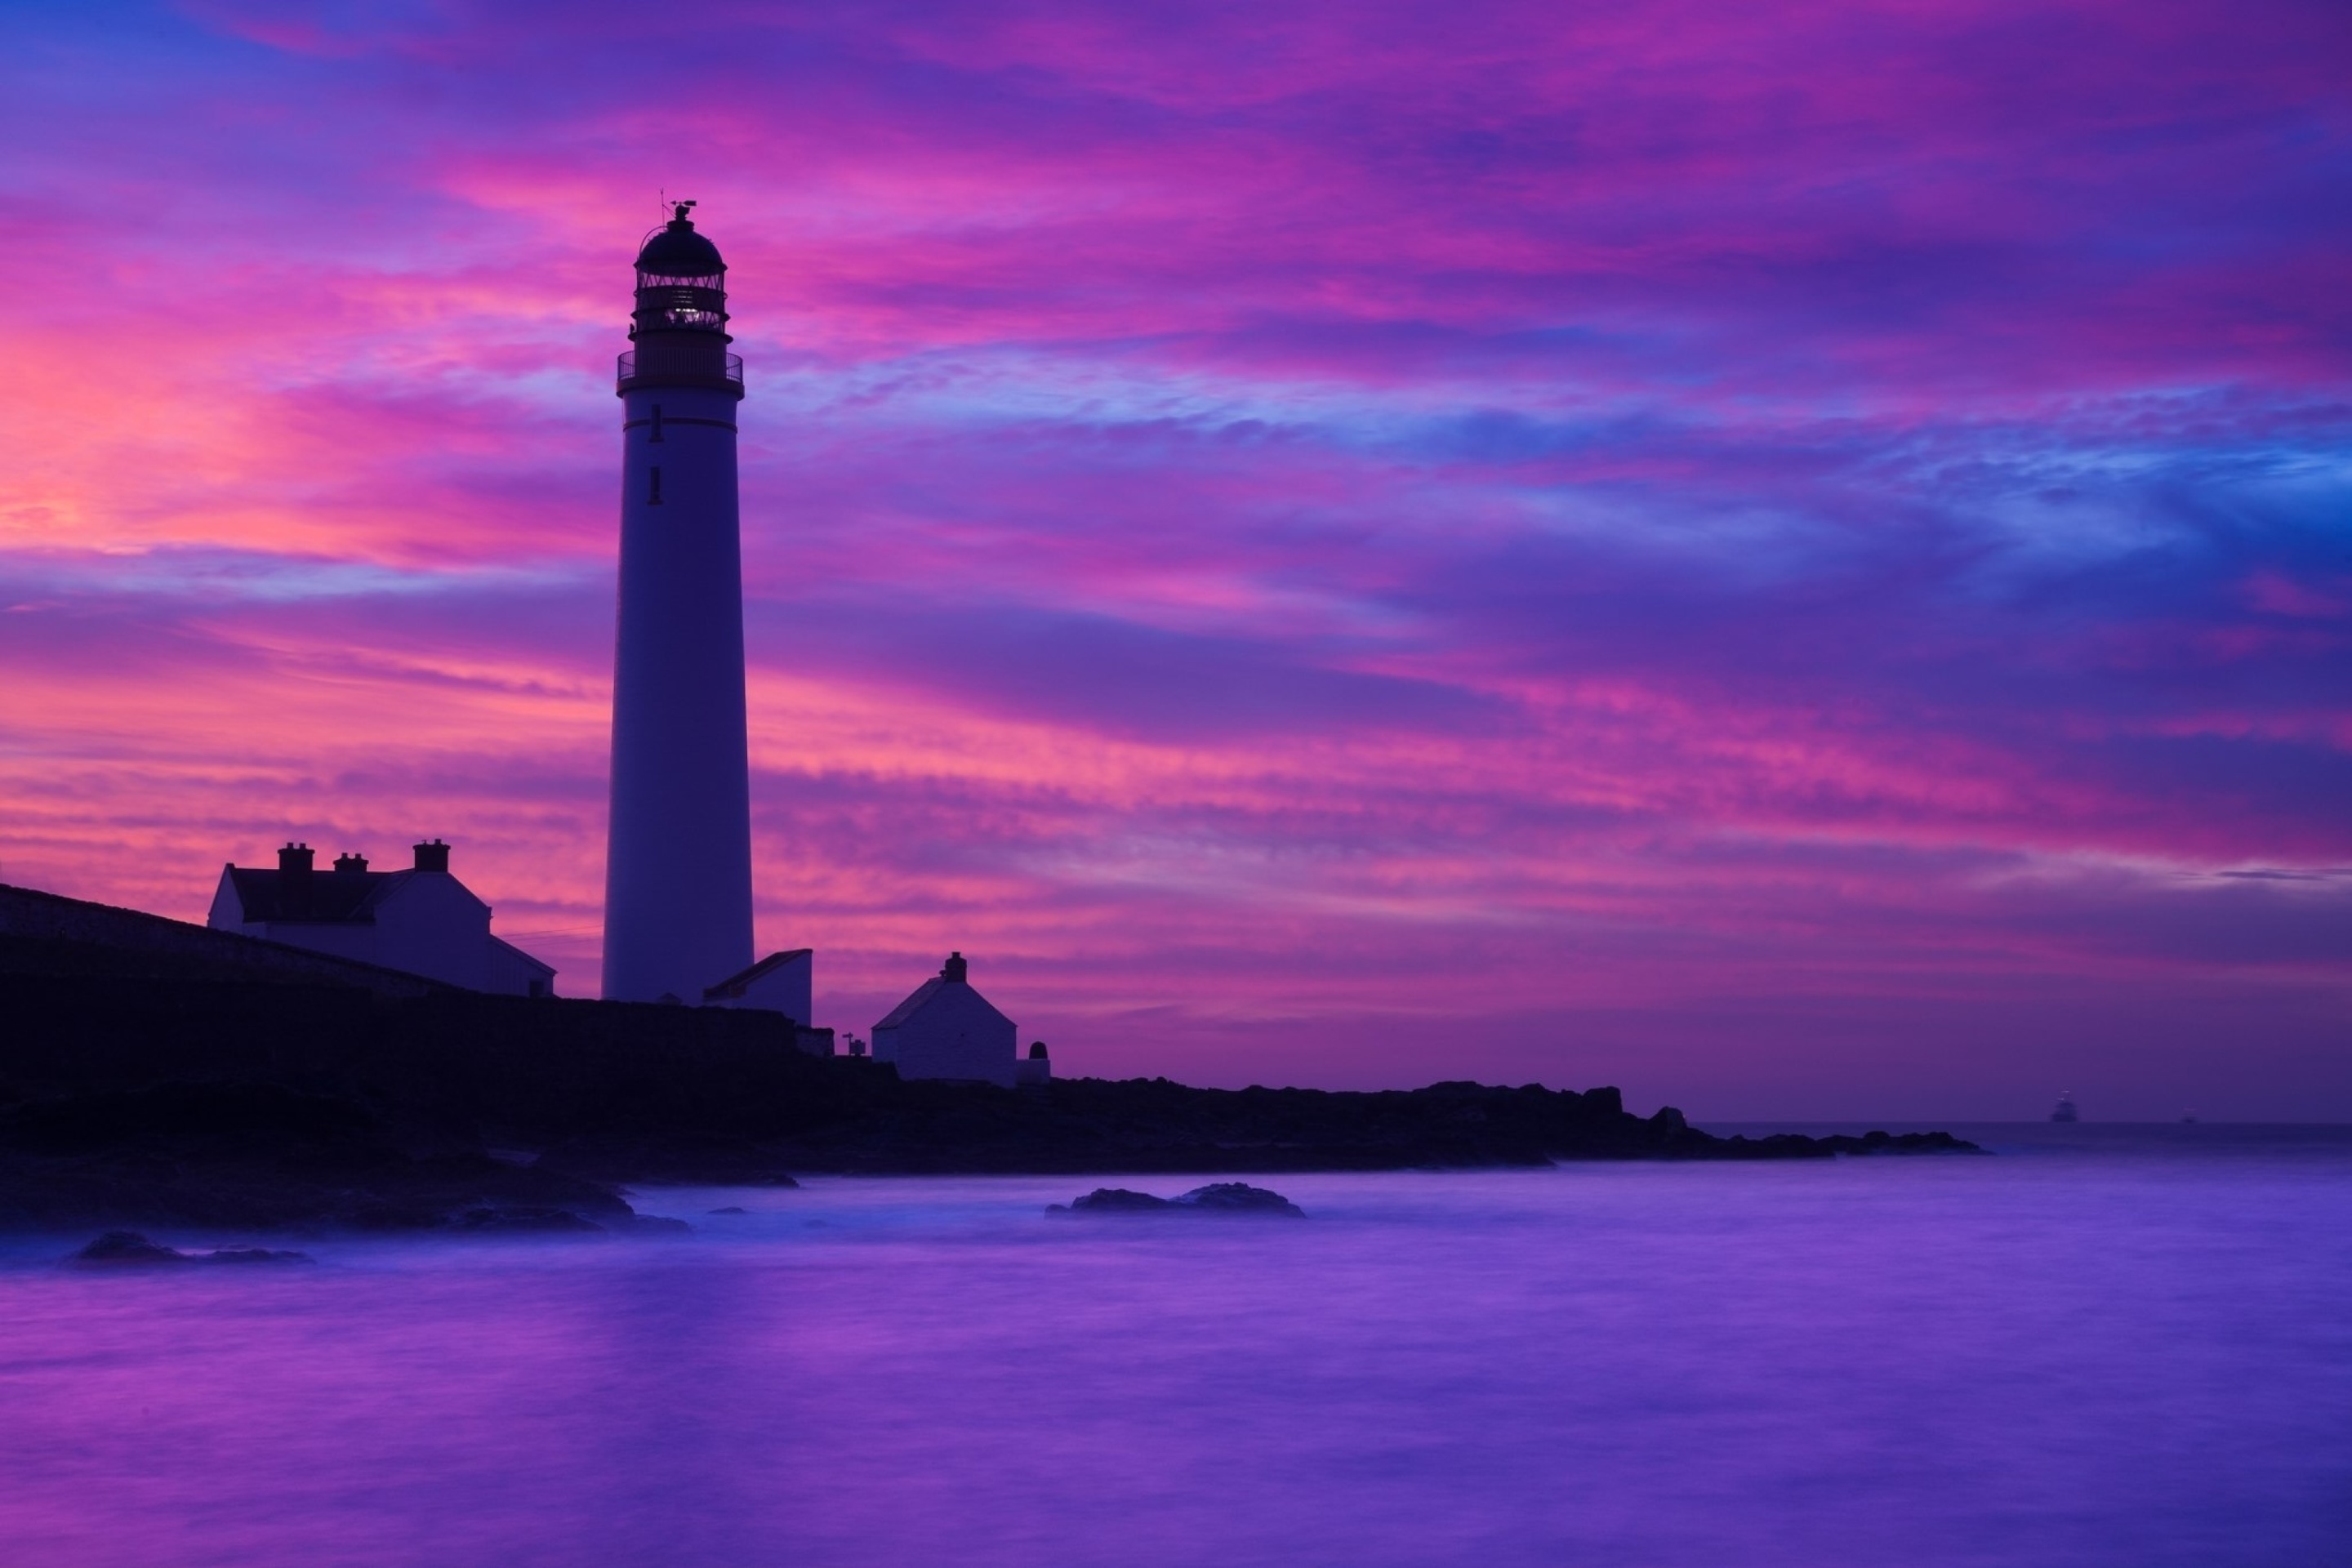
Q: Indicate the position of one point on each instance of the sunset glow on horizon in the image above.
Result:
(1797, 560)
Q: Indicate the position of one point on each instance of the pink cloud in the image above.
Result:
(1342, 544)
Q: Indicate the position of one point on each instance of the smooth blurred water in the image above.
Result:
(2106, 1346)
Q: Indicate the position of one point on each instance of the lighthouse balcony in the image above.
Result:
(681, 365)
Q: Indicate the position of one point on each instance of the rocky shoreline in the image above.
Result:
(254, 1158)
(161, 1076)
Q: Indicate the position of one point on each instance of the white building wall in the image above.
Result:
(431, 925)
(788, 988)
(510, 972)
(227, 912)
(322, 936)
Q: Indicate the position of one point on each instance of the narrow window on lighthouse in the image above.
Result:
(656, 435)
(653, 490)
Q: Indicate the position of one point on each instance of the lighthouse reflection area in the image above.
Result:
(2019, 1361)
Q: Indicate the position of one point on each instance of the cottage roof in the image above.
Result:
(351, 897)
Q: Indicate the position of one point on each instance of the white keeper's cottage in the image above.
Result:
(422, 921)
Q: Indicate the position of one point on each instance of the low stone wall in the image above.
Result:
(45, 933)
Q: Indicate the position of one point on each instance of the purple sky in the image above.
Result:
(1796, 559)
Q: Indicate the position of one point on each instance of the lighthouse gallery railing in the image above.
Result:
(694, 367)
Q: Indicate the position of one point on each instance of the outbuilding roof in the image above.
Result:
(734, 985)
(950, 976)
(917, 1002)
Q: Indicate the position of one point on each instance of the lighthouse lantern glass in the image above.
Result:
(670, 303)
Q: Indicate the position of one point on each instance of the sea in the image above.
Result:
(2097, 1345)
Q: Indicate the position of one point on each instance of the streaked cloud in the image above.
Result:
(1795, 560)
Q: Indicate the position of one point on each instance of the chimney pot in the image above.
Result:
(433, 856)
(294, 882)
(953, 969)
(352, 861)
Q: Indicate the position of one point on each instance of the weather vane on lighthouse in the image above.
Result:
(677, 869)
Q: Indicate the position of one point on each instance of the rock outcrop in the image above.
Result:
(253, 1157)
(1218, 1197)
(128, 1249)
(157, 1078)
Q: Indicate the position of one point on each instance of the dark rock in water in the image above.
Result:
(1238, 1197)
(120, 1246)
(526, 1221)
(1115, 1200)
(1880, 1142)
(127, 1246)
(732, 1208)
(1218, 1197)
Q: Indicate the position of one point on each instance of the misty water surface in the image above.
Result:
(2108, 1347)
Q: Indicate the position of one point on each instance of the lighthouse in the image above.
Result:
(677, 867)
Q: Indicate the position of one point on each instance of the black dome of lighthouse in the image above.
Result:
(675, 250)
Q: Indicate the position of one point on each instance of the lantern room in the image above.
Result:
(680, 326)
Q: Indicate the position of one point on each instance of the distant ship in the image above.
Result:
(2066, 1111)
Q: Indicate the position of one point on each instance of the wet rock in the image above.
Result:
(1112, 1200)
(1239, 1197)
(1882, 1143)
(1218, 1197)
(732, 1208)
(127, 1248)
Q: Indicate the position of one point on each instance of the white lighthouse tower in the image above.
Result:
(677, 869)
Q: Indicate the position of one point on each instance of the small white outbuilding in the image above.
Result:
(781, 983)
(948, 1030)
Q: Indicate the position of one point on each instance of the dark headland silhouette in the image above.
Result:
(156, 1073)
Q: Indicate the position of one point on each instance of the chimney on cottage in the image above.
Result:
(352, 861)
(953, 968)
(294, 865)
(432, 857)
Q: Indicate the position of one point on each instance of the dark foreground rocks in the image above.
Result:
(255, 1157)
(1218, 1197)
